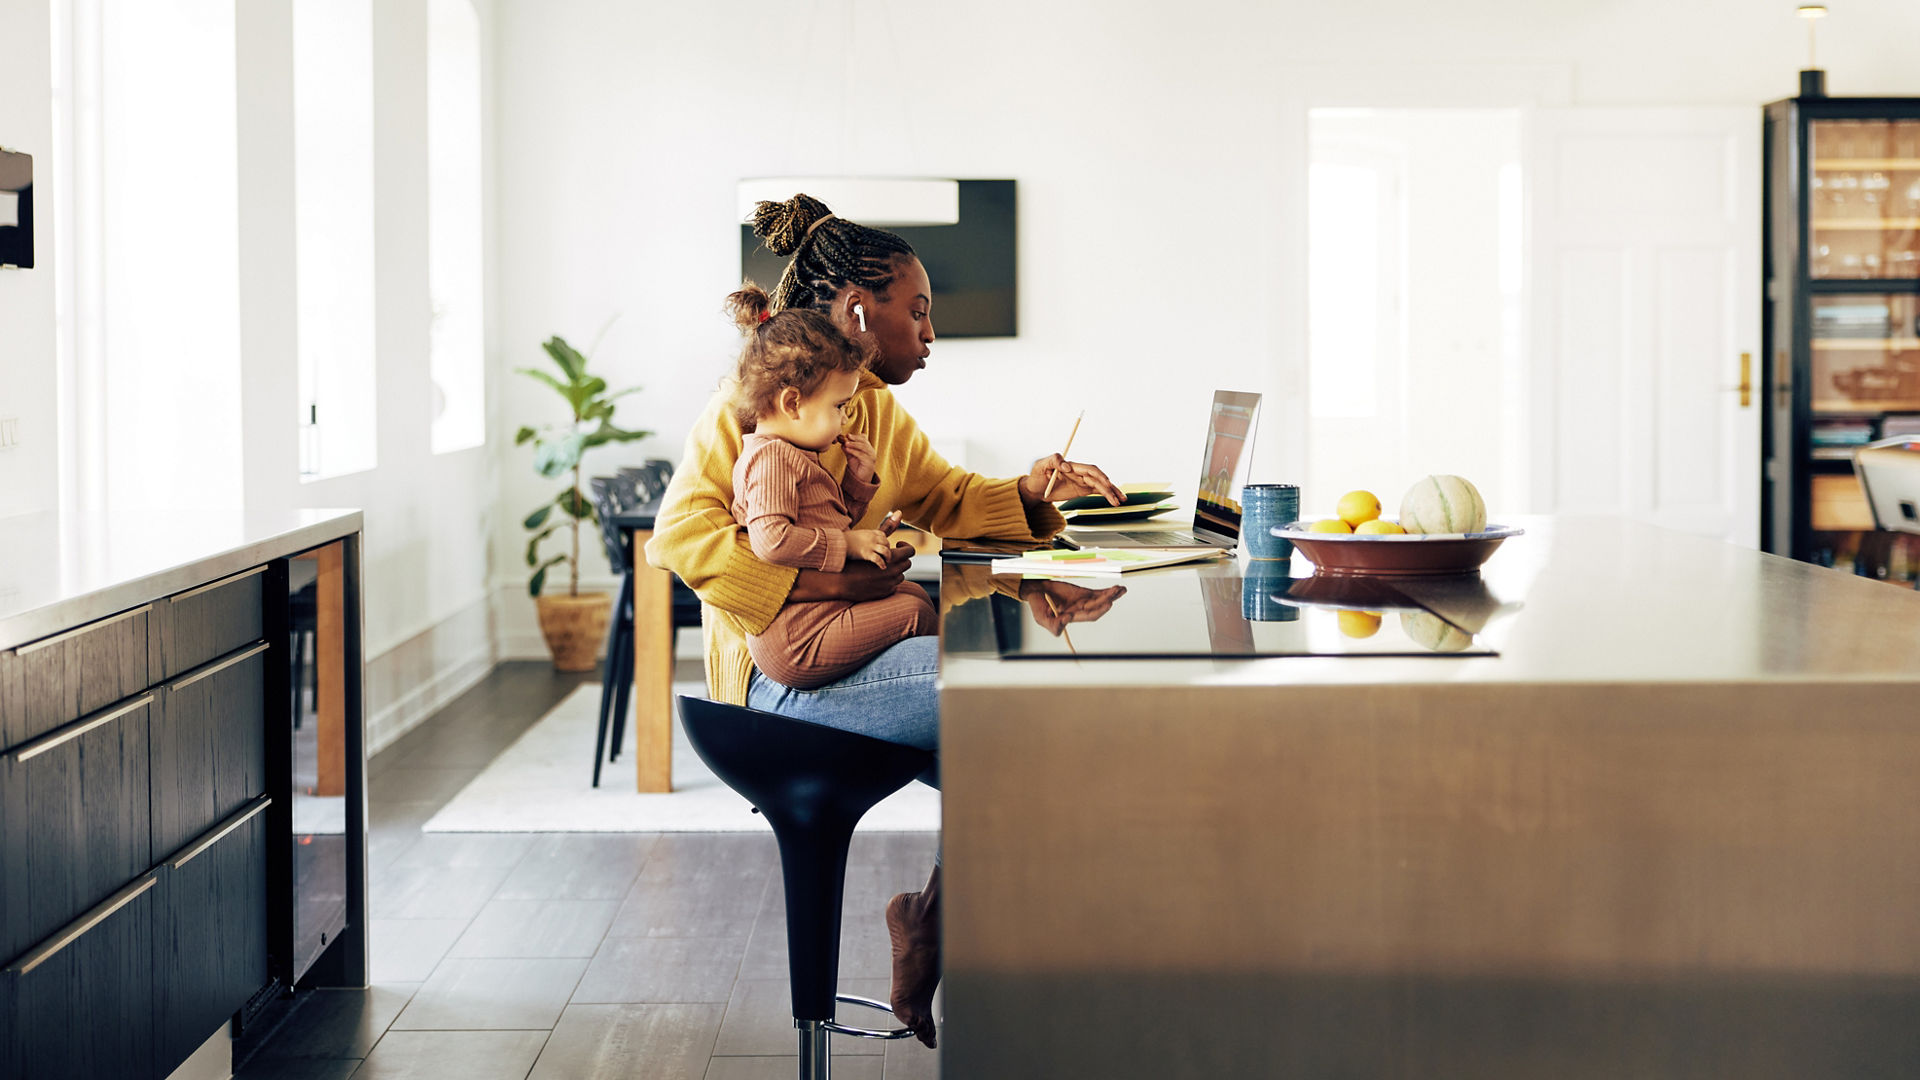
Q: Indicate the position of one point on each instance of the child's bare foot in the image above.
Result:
(913, 926)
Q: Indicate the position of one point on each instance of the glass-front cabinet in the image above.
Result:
(1843, 320)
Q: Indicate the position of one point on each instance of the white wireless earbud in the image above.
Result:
(861, 314)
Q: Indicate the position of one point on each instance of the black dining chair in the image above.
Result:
(613, 495)
(814, 784)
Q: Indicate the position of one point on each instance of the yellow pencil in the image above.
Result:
(1051, 480)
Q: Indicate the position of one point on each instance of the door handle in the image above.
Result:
(1745, 389)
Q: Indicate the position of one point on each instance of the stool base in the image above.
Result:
(815, 1036)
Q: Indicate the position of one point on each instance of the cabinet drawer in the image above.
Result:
(73, 821)
(81, 1003)
(210, 933)
(201, 624)
(58, 679)
(209, 746)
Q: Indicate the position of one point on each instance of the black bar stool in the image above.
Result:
(814, 784)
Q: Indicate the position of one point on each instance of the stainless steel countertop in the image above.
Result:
(56, 575)
(1602, 600)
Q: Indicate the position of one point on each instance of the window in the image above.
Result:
(333, 232)
(456, 276)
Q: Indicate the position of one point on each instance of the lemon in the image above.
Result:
(1380, 526)
(1358, 624)
(1357, 506)
(1330, 525)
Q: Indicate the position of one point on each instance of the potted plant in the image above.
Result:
(573, 624)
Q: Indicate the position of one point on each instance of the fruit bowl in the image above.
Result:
(1389, 554)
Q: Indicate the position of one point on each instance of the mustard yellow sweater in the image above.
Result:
(696, 537)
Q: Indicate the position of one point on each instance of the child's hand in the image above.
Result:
(869, 544)
(859, 453)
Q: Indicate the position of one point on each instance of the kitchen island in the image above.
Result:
(1668, 828)
(176, 847)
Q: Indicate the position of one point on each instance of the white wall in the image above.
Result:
(29, 471)
(1160, 152)
(428, 516)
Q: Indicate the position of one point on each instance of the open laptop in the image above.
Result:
(1216, 511)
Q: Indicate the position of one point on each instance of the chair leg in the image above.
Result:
(620, 663)
(609, 678)
(623, 695)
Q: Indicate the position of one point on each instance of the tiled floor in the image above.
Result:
(575, 955)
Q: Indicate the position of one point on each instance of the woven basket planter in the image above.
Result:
(574, 627)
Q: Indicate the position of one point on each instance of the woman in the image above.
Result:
(870, 284)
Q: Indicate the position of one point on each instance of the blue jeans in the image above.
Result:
(892, 698)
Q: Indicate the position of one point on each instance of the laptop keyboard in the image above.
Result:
(1166, 539)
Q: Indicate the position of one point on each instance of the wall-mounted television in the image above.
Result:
(971, 263)
(16, 209)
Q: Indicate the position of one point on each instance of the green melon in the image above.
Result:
(1443, 504)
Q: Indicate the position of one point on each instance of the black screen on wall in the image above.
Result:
(971, 264)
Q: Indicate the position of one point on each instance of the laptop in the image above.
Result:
(1216, 511)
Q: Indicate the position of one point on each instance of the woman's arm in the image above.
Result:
(947, 500)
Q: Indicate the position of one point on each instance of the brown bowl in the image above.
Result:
(1388, 555)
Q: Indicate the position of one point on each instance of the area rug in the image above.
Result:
(543, 783)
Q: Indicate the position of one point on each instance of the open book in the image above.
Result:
(1098, 560)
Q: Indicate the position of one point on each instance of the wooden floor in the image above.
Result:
(586, 956)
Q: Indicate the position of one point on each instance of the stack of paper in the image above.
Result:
(1097, 560)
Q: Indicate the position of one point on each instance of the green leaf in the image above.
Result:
(566, 357)
(618, 394)
(581, 394)
(598, 410)
(558, 386)
(607, 433)
(556, 457)
(574, 503)
(534, 543)
(540, 575)
(538, 516)
(523, 435)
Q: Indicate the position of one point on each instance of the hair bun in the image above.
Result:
(781, 226)
(749, 307)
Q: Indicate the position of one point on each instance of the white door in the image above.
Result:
(1645, 270)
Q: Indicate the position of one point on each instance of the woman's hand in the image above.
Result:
(1076, 479)
(1056, 604)
(859, 582)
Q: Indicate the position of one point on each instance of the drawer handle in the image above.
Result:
(205, 670)
(47, 949)
(235, 820)
(36, 646)
(80, 727)
(212, 585)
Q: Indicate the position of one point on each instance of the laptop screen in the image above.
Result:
(1225, 464)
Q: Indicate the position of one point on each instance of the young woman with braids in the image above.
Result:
(868, 283)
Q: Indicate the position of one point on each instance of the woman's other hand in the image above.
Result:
(868, 544)
(1077, 478)
(859, 582)
(1055, 604)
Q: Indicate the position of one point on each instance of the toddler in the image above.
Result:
(796, 375)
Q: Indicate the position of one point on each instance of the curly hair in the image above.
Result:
(829, 253)
(800, 349)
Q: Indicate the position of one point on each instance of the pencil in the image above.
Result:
(1051, 606)
(1051, 480)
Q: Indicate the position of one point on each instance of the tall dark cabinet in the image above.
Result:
(1842, 326)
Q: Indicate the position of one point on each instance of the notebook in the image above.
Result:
(1216, 512)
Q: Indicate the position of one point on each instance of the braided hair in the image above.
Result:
(829, 253)
(801, 349)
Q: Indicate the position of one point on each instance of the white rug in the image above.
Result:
(543, 783)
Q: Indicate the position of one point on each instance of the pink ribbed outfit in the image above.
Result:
(796, 514)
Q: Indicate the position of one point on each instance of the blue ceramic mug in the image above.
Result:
(1263, 506)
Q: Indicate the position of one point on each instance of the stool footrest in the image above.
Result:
(859, 1032)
